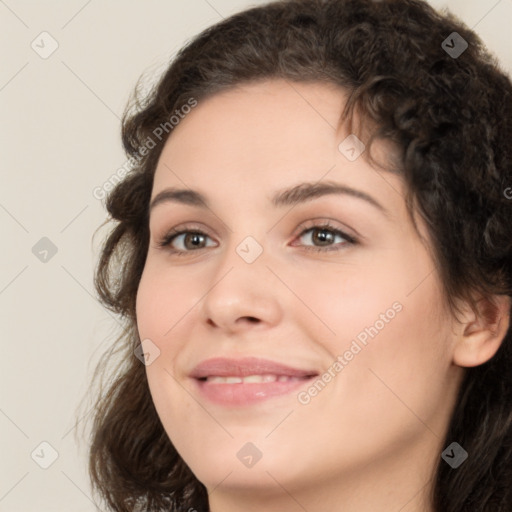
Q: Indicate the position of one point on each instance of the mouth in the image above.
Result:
(250, 379)
(247, 381)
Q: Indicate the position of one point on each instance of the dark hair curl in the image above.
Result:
(451, 122)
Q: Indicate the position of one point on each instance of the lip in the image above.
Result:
(240, 394)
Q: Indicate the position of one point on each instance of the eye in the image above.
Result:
(190, 240)
(325, 234)
(193, 239)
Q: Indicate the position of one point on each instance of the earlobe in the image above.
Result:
(482, 332)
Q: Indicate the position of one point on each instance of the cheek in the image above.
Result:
(400, 366)
(150, 307)
(347, 300)
(161, 303)
(390, 329)
(161, 309)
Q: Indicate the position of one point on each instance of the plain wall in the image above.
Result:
(60, 136)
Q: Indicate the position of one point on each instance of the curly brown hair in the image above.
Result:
(449, 115)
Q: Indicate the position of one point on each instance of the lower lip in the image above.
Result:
(241, 393)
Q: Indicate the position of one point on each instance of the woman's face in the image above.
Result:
(362, 311)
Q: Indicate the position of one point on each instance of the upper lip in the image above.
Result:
(224, 367)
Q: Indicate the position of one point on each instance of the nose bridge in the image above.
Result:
(243, 285)
(244, 264)
(248, 243)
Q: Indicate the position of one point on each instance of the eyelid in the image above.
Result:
(330, 223)
(179, 230)
(319, 223)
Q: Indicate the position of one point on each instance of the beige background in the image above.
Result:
(60, 140)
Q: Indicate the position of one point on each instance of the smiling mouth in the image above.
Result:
(246, 381)
(251, 390)
(250, 379)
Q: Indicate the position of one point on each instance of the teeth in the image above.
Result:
(260, 378)
(252, 379)
(225, 380)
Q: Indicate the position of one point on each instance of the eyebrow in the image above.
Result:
(288, 197)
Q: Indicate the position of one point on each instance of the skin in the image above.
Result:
(370, 439)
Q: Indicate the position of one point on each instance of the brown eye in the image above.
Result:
(187, 241)
(193, 240)
(324, 237)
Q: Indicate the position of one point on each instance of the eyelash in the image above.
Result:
(169, 238)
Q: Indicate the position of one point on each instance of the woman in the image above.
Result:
(313, 257)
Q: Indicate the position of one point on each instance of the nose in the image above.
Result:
(243, 295)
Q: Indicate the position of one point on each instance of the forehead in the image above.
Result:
(270, 126)
(274, 115)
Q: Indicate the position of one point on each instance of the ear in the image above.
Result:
(481, 331)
